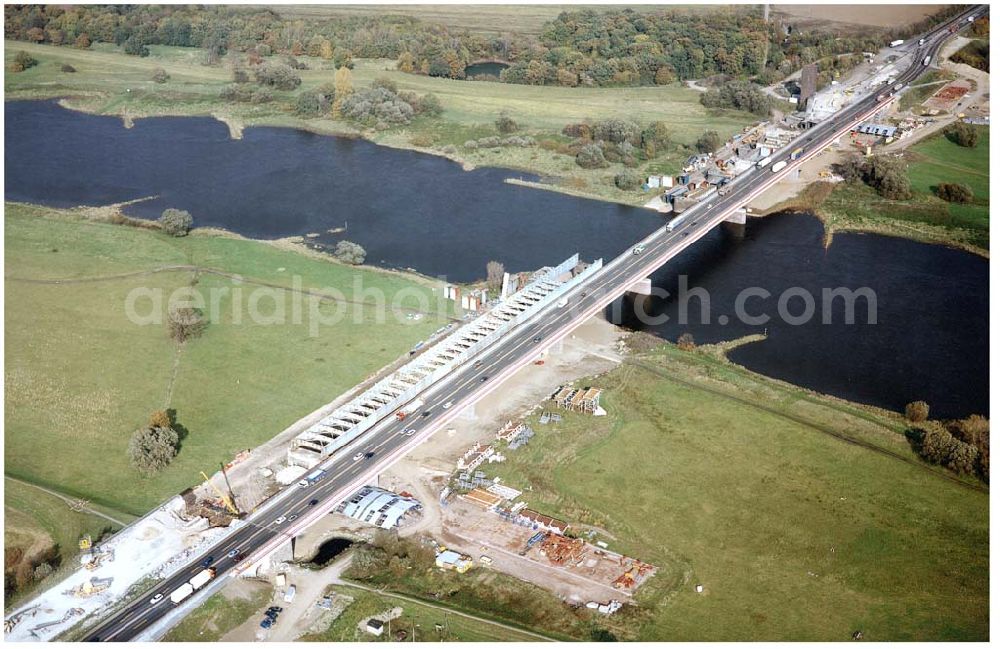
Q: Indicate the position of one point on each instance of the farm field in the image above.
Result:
(80, 376)
(111, 83)
(736, 482)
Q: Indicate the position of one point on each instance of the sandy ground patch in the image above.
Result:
(889, 15)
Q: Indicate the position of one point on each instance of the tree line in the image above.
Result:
(585, 47)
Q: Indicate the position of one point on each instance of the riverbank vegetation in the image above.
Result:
(81, 373)
(802, 516)
(924, 214)
(448, 113)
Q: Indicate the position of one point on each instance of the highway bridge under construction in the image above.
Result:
(358, 441)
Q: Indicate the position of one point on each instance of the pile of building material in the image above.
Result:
(635, 571)
(561, 549)
(475, 456)
(587, 400)
(90, 588)
(606, 609)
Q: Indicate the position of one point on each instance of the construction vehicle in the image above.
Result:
(85, 542)
(89, 588)
(225, 498)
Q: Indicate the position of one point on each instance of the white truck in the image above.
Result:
(779, 166)
(181, 593)
(927, 60)
(764, 162)
(184, 591)
(896, 43)
(674, 222)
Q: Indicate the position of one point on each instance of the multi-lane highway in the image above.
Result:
(293, 509)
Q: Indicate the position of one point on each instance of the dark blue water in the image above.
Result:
(488, 68)
(414, 210)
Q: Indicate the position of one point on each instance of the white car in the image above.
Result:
(448, 405)
(279, 520)
(358, 456)
(410, 433)
(156, 598)
(638, 249)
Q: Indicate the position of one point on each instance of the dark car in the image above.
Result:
(313, 502)
(369, 455)
(425, 413)
(537, 339)
(484, 378)
(266, 623)
(207, 561)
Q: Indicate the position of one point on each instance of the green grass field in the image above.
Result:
(109, 82)
(795, 535)
(925, 216)
(80, 376)
(219, 615)
(417, 620)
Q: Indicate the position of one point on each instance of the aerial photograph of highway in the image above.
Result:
(481, 322)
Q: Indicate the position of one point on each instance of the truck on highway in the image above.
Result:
(312, 478)
(182, 593)
(412, 407)
(674, 222)
(896, 43)
(185, 590)
(779, 166)
(922, 41)
(795, 154)
(764, 162)
(927, 60)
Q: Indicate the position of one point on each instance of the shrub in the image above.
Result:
(505, 124)
(686, 342)
(185, 323)
(954, 192)
(581, 130)
(471, 144)
(917, 411)
(349, 253)
(278, 75)
(66, 67)
(429, 104)
(740, 95)
(422, 139)
(136, 46)
(23, 61)
(962, 134)
(237, 92)
(176, 222)
(708, 141)
(377, 106)
(82, 42)
(311, 104)
(261, 96)
(160, 75)
(591, 157)
(627, 180)
(616, 130)
(388, 84)
(152, 449)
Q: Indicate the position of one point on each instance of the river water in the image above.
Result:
(411, 210)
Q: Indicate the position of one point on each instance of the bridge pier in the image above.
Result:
(736, 223)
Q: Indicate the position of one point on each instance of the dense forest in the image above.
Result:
(586, 47)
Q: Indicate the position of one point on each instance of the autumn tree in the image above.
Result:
(160, 419)
(494, 275)
(343, 83)
(686, 342)
(185, 323)
(917, 411)
(326, 50)
(405, 62)
(82, 41)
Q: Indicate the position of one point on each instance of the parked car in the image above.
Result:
(266, 623)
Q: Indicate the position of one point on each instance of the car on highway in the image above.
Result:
(448, 405)
(478, 364)
(207, 561)
(358, 456)
(638, 249)
(279, 520)
(233, 553)
(484, 378)
(156, 598)
(408, 432)
(425, 413)
(314, 502)
(292, 517)
(369, 455)
(536, 339)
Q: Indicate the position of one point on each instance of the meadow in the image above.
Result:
(803, 517)
(924, 216)
(81, 376)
